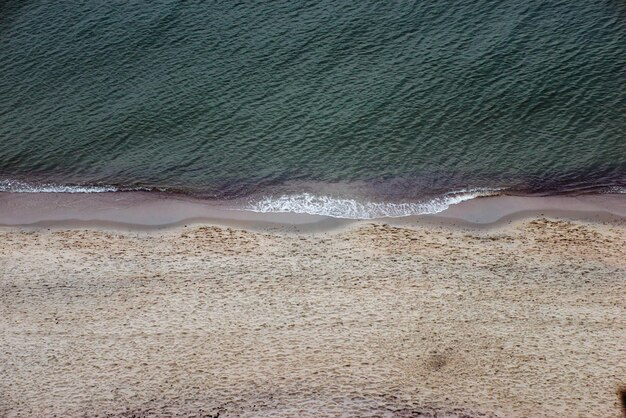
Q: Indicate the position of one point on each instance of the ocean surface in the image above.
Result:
(350, 109)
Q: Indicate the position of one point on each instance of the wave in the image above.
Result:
(354, 209)
(615, 190)
(16, 186)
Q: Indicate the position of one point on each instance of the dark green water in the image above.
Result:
(375, 101)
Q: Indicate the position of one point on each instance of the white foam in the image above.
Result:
(616, 190)
(15, 186)
(353, 209)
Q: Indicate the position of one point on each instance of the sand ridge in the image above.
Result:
(527, 319)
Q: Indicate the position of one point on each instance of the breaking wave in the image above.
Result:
(354, 209)
(16, 186)
(615, 190)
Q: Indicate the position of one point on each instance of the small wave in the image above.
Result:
(615, 190)
(16, 186)
(353, 209)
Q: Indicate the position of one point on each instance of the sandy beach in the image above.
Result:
(480, 311)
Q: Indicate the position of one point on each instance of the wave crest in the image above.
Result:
(16, 186)
(615, 190)
(353, 209)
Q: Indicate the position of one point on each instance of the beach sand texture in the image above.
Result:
(526, 319)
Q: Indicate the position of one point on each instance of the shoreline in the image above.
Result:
(149, 210)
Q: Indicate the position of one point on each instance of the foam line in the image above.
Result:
(353, 209)
(16, 186)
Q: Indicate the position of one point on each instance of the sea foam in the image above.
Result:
(354, 209)
(16, 186)
(615, 190)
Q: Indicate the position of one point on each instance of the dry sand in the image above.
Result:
(526, 318)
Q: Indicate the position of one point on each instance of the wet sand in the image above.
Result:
(149, 210)
(480, 311)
